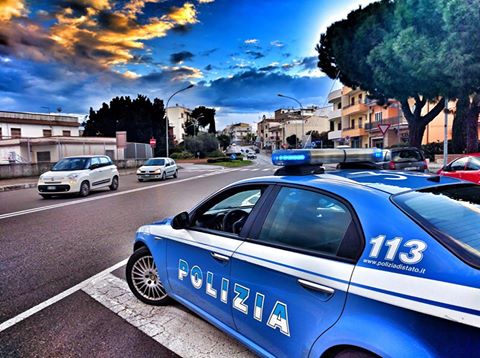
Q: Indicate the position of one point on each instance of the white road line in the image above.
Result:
(254, 170)
(60, 296)
(176, 329)
(81, 201)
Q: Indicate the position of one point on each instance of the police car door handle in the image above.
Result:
(219, 257)
(316, 287)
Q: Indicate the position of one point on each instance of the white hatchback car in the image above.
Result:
(78, 175)
(157, 168)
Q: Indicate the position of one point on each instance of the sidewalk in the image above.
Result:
(31, 182)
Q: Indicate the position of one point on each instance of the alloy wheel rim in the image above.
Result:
(145, 279)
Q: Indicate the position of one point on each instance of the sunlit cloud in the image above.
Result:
(12, 8)
(98, 36)
(251, 41)
(205, 1)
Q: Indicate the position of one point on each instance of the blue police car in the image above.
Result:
(348, 263)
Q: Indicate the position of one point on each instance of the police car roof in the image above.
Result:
(387, 181)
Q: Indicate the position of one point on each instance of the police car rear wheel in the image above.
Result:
(143, 279)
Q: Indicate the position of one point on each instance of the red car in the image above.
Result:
(466, 168)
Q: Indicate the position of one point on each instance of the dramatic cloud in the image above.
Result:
(12, 8)
(180, 57)
(271, 67)
(90, 33)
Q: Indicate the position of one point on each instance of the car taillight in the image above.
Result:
(391, 165)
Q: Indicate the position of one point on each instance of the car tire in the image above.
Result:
(175, 175)
(46, 196)
(143, 280)
(164, 176)
(355, 353)
(140, 180)
(84, 189)
(114, 185)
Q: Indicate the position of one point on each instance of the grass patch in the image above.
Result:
(233, 164)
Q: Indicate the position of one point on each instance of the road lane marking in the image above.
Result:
(20, 317)
(81, 201)
(165, 324)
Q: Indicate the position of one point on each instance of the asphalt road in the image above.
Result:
(49, 246)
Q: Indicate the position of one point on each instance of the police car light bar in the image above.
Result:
(297, 157)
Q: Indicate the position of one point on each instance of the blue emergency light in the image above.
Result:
(298, 157)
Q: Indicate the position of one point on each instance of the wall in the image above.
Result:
(34, 170)
(34, 130)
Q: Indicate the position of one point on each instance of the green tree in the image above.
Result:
(224, 141)
(203, 143)
(292, 140)
(250, 138)
(388, 49)
(141, 118)
(205, 117)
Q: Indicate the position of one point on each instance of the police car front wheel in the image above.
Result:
(143, 279)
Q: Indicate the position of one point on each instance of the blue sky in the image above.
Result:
(77, 54)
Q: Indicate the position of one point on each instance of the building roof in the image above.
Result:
(50, 119)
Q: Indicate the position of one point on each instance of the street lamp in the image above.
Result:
(166, 115)
(301, 109)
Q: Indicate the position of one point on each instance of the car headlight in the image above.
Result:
(72, 176)
(138, 171)
(144, 229)
(158, 171)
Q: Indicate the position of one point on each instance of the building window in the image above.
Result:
(360, 122)
(66, 133)
(339, 126)
(47, 132)
(43, 157)
(181, 115)
(0, 132)
(378, 117)
(353, 123)
(15, 132)
(352, 101)
(360, 96)
(339, 105)
(332, 126)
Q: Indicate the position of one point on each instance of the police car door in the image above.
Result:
(198, 259)
(291, 276)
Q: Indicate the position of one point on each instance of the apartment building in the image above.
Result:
(177, 116)
(238, 132)
(265, 137)
(335, 118)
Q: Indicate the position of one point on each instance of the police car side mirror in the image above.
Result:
(181, 221)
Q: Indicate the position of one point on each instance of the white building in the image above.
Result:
(238, 132)
(176, 118)
(34, 125)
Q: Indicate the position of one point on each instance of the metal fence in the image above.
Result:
(138, 151)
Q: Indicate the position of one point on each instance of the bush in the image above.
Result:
(216, 154)
(218, 160)
(181, 155)
(202, 143)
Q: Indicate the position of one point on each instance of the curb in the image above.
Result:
(33, 185)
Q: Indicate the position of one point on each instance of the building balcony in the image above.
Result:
(337, 94)
(336, 113)
(350, 91)
(335, 135)
(393, 121)
(354, 109)
(354, 132)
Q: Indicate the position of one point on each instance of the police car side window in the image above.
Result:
(229, 212)
(306, 220)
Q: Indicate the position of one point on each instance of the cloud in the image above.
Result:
(209, 67)
(310, 63)
(91, 33)
(277, 43)
(271, 67)
(180, 57)
(176, 73)
(12, 8)
(251, 41)
(205, 1)
(208, 52)
(255, 54)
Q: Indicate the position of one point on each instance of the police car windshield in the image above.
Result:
(155, 162)
(451, 214)
(68, 164)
